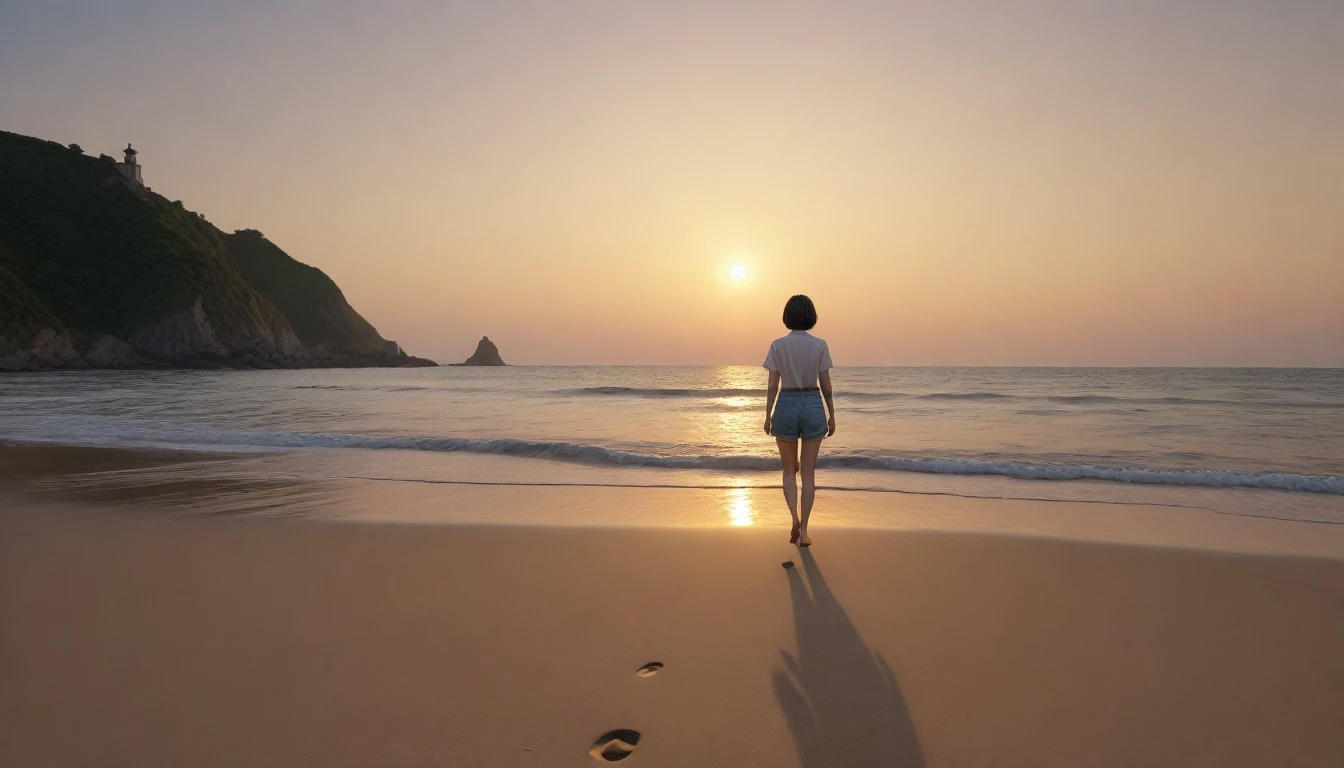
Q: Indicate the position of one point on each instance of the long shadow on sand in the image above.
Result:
(841, 699)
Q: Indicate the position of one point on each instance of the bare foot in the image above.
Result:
(793, 534)
(803, 539)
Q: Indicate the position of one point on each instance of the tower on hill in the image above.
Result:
(130, 168)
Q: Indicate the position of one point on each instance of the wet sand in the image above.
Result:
(135, 638)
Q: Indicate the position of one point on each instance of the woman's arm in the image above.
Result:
(770, 394)
(825, 381)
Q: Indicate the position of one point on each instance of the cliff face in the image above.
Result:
(96, 271)
(486, 354)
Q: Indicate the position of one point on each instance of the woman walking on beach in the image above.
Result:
(794, 415)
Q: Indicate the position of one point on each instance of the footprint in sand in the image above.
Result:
(614, 746)
(650, 669)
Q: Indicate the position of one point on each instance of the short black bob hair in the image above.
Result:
(799, 313)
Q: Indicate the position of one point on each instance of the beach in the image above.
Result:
(138, 635)
(468, 567)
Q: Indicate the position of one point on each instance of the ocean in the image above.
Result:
(1261, 442)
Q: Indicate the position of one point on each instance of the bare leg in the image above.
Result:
(788, 459)
(809, 467)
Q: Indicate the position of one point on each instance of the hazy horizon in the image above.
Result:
(1018, 184)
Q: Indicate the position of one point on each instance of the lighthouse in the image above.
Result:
(130, 168)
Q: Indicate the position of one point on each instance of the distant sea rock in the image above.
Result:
(97, 271)
(486, 354)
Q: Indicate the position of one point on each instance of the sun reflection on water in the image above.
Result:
(734, 424)
(738, 402)
(738, 505)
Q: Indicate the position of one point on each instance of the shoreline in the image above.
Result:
(176, 482)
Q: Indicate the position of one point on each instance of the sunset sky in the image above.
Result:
(993, 183)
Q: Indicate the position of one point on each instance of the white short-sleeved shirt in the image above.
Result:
(800, 358)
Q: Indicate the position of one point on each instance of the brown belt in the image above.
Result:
(801, 389)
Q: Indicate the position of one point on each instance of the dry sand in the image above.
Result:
(139, 640)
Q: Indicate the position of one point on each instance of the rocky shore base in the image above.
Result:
(56, 352)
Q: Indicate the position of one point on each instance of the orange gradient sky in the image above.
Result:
(994, 183)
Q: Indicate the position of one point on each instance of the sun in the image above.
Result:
(737, 272)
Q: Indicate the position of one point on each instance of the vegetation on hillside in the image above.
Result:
(314, 305)
(105, 256)
(83, 249)
(22, 314)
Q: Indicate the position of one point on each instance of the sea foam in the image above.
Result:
(598, 455)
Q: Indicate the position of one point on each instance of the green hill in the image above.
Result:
(85, 252)
(313, 304)
(22, 314)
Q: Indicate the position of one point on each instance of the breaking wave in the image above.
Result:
(603, 456)
(659, 393)
(1084, 399)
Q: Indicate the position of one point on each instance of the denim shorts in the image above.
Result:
(799, 415)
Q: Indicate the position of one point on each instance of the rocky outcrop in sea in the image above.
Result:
(486, 354)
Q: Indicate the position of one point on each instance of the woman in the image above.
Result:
(801, 363)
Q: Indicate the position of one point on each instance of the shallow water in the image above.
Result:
(1266, 442)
